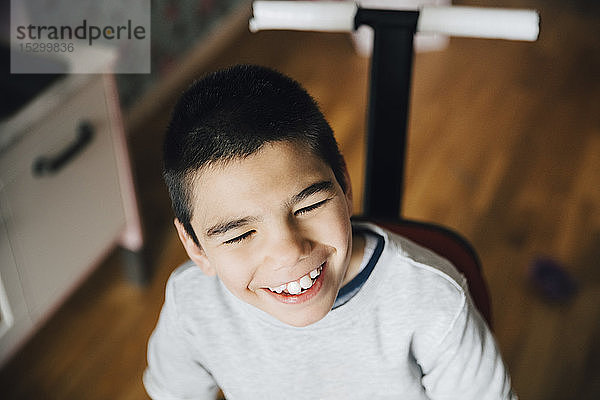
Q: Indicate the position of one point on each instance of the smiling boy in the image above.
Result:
(284, 296)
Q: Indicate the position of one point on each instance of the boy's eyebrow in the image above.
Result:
(223, 227)
(323, 186)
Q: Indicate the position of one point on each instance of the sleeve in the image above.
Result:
(466, 364)
(172, 372)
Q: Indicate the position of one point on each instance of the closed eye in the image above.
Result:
(240, 238)
(310, 208)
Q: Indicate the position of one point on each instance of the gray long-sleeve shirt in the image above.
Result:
(410, 332)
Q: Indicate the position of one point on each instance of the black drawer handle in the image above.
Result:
(44, 166)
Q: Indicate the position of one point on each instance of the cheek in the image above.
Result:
(234, 270)
(333, 227)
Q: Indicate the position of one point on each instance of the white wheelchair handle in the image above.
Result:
(338, 16)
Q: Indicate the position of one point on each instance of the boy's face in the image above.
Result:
(274, 220)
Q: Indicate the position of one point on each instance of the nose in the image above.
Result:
(287, 246)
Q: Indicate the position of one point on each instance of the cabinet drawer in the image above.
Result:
(60, 220)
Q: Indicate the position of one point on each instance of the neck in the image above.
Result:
(358, 248)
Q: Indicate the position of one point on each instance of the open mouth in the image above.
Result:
(301, 289)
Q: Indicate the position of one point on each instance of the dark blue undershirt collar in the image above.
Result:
(351, 288)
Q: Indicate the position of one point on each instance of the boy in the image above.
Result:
(283, 296)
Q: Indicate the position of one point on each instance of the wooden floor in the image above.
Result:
(504, 147)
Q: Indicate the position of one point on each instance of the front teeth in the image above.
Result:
(305, 282)
(296, 287)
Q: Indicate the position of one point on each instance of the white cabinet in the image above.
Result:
(66, 199)
(15, 321)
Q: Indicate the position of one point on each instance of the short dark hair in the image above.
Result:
(231, 114)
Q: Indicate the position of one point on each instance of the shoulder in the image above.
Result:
(187, 278)
(423, 262)
(192, 295)
(424, 287)
(412, 264)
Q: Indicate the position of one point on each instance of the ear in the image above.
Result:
(195, 252)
